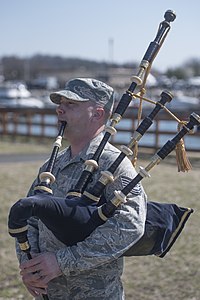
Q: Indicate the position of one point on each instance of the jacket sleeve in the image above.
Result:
(110, 240)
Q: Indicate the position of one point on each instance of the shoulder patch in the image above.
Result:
(137, 190)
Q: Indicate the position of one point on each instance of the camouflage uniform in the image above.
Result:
(92, 269)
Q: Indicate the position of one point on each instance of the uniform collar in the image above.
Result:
(87, 152)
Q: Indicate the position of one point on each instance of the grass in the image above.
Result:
(22, 145)
(176, 276)
(145, 278)
(15, 180)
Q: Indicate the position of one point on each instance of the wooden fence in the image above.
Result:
(42, 123)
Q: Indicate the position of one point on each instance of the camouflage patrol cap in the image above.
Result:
(85, 89)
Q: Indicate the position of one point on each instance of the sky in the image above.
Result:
(105, 30)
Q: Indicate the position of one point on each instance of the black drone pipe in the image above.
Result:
(137, 80)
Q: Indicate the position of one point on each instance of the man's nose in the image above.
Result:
(60, 110)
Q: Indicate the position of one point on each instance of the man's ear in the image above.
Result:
(99, 113)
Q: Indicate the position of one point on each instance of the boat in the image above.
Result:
(17, 95)
(182, 102)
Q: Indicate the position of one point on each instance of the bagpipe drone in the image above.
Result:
(83, 209)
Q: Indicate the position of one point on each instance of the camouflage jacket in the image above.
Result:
(92, 269)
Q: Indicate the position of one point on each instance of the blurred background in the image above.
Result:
(46, 43)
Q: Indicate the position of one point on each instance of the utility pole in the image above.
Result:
(111, 50)
(1, 71)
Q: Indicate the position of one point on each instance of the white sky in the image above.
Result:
(83, 28)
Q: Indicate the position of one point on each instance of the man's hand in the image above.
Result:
(37, 272)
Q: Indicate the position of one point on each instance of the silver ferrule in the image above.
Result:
(135, 138)
(155, 160)
(116, 118)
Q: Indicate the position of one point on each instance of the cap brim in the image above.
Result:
(56, 96)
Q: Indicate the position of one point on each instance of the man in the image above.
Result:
(91, 269)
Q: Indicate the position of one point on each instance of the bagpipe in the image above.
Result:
(73, 218)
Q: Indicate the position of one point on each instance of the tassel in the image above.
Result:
(182, 160)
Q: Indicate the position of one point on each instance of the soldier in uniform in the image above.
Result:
(92, 268)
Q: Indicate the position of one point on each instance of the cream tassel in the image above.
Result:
(182, 160)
